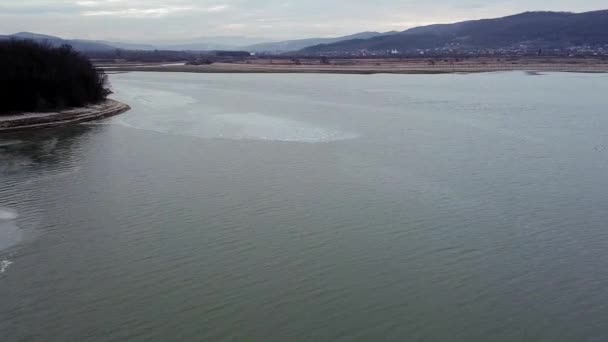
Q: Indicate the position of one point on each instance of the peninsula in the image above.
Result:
(45, 86)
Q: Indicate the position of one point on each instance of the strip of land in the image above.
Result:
(26, 121)
(378, 66)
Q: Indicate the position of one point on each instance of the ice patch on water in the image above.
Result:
(7, 214)
(4, 264)
(10, 234)
(253, 126)
(241, 126)
(153, 98)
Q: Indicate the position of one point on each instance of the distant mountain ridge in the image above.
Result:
(77, 44)
(529, 30)
(538, 29)
(198, 44)
(298, 44)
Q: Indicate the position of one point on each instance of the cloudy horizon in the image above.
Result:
(165, 20)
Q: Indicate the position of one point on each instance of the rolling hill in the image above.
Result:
(298, 44)
(198, 44)
(530, 29)
(77, 44)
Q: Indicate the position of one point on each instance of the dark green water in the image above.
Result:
(314, 208)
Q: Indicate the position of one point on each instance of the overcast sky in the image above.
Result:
(150, 20)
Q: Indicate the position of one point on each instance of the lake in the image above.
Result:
(229, 207)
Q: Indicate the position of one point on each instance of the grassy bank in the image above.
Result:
(375, 66)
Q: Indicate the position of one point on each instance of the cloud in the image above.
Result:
(88, 3)
(141, 9)
(216, 8)
(141, 20)
(138, 12)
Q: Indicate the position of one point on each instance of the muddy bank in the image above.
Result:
(380, 66)
(26, 121)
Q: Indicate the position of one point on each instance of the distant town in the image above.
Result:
(455, 50)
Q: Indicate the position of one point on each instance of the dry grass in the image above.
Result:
(391, 66)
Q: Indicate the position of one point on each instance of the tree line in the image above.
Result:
(163, 56)
(37, 77)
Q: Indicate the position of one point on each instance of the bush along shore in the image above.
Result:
(44, 86)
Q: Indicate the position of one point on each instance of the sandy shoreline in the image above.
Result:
(381, 66)
(26, 121)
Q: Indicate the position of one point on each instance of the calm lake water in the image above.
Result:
(313, 208)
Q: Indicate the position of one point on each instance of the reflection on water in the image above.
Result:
(4, 143)
(38, 150)
(29, 161)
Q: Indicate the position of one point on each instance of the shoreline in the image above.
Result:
(375, 66)
(38, 120)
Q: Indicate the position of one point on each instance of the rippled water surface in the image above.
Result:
(313, 208)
